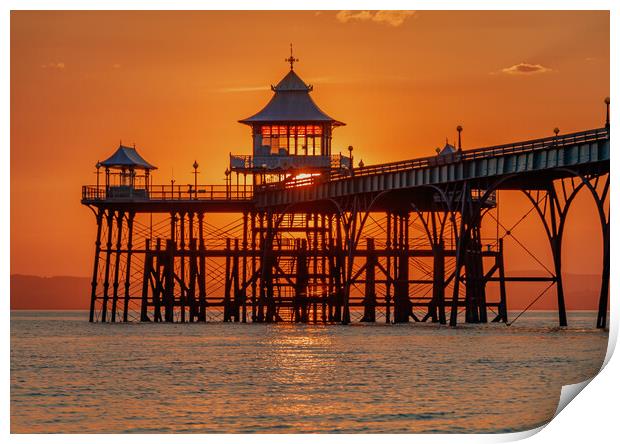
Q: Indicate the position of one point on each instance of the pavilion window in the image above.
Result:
(318, 146)
(292, 139)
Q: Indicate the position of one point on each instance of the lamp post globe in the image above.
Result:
(607, 117)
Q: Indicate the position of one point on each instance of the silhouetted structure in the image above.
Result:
(320, 241)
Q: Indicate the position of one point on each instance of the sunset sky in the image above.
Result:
(175, 84)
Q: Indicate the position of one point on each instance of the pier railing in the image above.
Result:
(246, 192)
(168, 193)
(457, 157)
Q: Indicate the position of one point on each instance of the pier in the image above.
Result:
(316, 238)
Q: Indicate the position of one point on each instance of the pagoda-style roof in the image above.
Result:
(291, 82)
(127, 157)
(291, 103)
(447, 149)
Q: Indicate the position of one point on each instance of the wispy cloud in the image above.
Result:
(322, 80)
(233, 89)
(525, 69)
(54, 65)
(391, 18)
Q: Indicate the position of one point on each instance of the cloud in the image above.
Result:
(347, 16)
(54, 65)
(391, 18)
(525, 69)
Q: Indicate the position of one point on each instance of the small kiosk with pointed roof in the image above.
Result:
(291, 134)
(127, 174)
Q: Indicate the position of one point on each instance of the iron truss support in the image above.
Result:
(552, 206)
(309, 266)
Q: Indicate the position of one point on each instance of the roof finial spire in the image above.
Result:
(291, 60)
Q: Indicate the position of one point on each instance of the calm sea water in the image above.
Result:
(71, 376)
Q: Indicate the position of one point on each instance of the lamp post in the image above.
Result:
(227, 174)
(195, 165)
(459, 129)
(351, 158)
(98, 166)
(556, 131)
(607, 119)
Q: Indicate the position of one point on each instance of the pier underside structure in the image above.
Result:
(414, 241)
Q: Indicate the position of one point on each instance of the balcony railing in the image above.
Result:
(277, 162)
(168, 193)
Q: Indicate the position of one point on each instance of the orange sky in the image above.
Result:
(175, 83)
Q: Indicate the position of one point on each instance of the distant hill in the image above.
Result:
(581, 292)
(49, 293)
(73, 293)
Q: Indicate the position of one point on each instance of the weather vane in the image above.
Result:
(291, 59)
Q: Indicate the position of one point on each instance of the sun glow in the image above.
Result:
(302, 176)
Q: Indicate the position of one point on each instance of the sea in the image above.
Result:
(70, 376)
